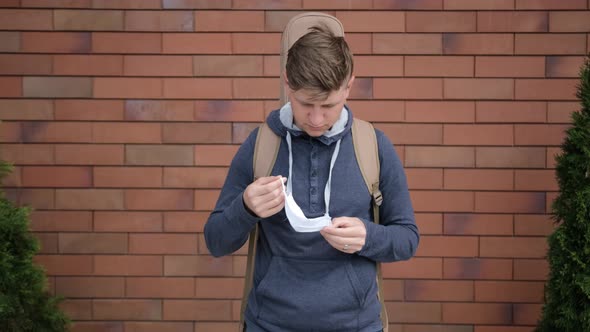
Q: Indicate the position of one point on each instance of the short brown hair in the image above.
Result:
(319, 61)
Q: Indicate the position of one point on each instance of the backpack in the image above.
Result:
(267, 147)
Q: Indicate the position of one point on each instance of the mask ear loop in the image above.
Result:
(289, 183)
(328, 188)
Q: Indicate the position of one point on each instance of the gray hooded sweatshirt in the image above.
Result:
(302, 283)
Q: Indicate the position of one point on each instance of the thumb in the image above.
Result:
(340, 222)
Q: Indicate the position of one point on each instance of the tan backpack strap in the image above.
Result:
(367, 155)
(266, 150)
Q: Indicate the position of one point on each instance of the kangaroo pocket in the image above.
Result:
(310, 294)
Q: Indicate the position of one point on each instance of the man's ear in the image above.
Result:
(350, 81)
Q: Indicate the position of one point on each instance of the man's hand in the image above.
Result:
(264, 197)
(345, 234)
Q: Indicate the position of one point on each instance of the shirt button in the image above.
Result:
(313, 173)
(312, 191)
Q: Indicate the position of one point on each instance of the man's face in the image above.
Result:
(315, 117)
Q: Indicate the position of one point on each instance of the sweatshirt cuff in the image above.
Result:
(372, 232)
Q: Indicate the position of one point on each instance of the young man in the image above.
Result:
(315, 267)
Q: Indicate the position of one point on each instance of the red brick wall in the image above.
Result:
(122, 116)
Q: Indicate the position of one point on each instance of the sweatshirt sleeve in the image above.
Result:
(229, 224)
(396, 236)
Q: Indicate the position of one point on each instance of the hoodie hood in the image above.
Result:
(280, 123)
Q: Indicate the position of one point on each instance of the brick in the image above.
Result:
(89, 199)
(513, 247)
(159, 110)
(197, 266)
(551, 197)
(428, 134)
(510, 111)
(227, 65)
(569, 21)
(59, 265)
(536, 225)
(196, 133)
(61, 132)
(440, 21)
(448, 246)
(276, 21)
(229, 110)
(478, 5)
(539, 134)
(515, 21)
(126, 87)
(407, 43)
(110, 221)
(439, 156)
(128, 177)
(87, 154)
(362, 89)
(401, 4)
(496, 328)
(509, 66)
(88, 20)
(126, 132)
(414, 312)
(439, 201)
(97, 287)
(552, 153)
(377, 110)
(241, 131)
(23, 19)
(528, 314)
(91, 65)
(10, 41)
(550, 4)
(159, 327)
(97, 326)
(216, 326)
(440, 111)
(531, 269)
(510, 157)
(214, 155)
(477, 268)
(470, 43)
(478, 224)
(159, 155)
(546, 89)
(156, 65)
(50, 176)
(25, 64)
(535, 180)
(87, 109)
(229, 21)
(11, 87)
(196, 4)
(205, 199)
(57, 87)
(360, 43)
(508, 291)
(77, 309)
(336, 4)
(516, 202)
(61, 221)
(185, 222)
(478, 88)
(127, 4)
(434, 66)
(407, 88)
(201, 177)
(35, 198)
(160, 287)
(424, 178)
(197, 43)
(26, 154)
(267, 4)
(477, 313)
(90, 243)
(553, 44)
(372, 21)
(438, 290)
(460, 134)
(127, 309)
(429, 223)
(128, 265)
(158, 199)
(436, 328)
(49, 244)
(197, 310)
(477, 179)
(56, 3)
(563, 66)
(20, 109)
(122, 42)
(159, 21)
(199, 88)
(255, 88)
(13, 179)
(219, 288)
(162, 244)
(378, 66)
(56, 42)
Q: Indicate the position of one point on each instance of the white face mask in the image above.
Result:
(297, 218)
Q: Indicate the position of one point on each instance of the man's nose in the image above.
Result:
(316, 117)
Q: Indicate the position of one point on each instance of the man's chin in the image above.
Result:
(315, 132)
